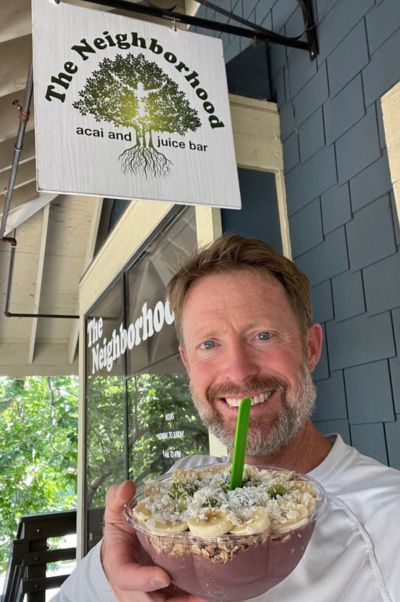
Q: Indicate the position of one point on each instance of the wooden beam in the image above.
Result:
(39, 279)
(15, 19)
(49, 360)
(91, 242)
(23, 212)
(191, 7)
(256, 133)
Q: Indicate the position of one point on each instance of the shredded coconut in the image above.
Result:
(194, 493)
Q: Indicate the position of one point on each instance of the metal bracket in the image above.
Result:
(252, 30)
(310, 29)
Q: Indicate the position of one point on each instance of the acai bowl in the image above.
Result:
(226, 544)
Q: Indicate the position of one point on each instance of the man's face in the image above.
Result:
(241, 338)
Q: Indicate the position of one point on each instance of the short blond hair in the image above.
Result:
(232, 252)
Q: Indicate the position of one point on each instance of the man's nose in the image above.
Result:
(239, 363)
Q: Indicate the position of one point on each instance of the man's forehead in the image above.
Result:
(218, 279)
(224, 291)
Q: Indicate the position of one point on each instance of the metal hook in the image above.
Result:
(173, 25)
(23, 116)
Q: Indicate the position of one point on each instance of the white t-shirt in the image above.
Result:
(353, 555)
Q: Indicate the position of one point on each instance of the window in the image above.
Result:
(140, 417)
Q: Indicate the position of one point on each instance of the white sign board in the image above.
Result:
(129, 109)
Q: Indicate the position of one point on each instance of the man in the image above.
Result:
(243, 317)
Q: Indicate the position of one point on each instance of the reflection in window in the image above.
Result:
(164, 425)
(105, 444)
(105, 400)
(140, 418)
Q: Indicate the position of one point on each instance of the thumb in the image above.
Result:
(116, 496)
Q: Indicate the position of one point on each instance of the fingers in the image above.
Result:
(185, 598)
(131, 576)
(122, 563)
(122, 554)
(139, 596)
(116, 496)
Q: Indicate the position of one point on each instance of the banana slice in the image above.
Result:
(303, 486)
(310, 504)
(294, 523)
(209, 471)
(177, 527)
(141, 512)
(290, 525)
(257, 523)
(214, 524)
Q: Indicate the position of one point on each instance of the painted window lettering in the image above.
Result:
(106, 351)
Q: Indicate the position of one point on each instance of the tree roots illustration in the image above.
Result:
(131, 92)
(144, 160)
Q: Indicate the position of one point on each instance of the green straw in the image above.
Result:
(239, 448)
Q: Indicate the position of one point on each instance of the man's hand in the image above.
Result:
(124, 560)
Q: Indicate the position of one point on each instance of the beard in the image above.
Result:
(263, 439)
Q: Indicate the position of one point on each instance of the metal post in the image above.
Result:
(23, 119)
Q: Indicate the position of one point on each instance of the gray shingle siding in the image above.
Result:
(343, 222)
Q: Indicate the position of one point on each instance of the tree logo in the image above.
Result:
(134, 93)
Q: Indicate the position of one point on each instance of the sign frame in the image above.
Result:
(130, 109)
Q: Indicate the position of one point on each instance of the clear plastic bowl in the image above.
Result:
(229, 567)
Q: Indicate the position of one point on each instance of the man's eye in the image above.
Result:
(264, 336)
(207, 345)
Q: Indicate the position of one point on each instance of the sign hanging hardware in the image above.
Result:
(252, 30)
(23, 115)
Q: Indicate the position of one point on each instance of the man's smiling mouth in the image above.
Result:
(233, 402)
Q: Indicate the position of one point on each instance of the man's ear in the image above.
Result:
(314, 341)
(183, 357)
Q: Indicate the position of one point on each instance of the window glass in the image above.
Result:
(106, 399)
(163, 424)
(139, 415)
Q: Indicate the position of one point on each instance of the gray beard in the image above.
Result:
(291, 419)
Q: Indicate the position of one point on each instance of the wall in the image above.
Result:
(343, 224)
(259, 216)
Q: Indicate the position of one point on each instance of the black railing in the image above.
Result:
(30, 554)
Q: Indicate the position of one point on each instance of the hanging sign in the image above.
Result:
(128, 109)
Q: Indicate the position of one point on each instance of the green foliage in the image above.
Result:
(38, 450)
(155, 397)
(38, 439)
(134, 93)
(152, 400)
(105, 436)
